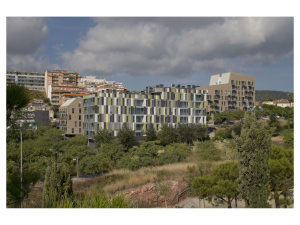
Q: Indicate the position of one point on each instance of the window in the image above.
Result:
(69, 117)
(72, 130)
(126, 118)
(79, 110)
(133, 119)
(129, 110)
(79, 130)
(119, 119)
(75, 123)
(165, 111)
(72, 110)
(153, 103)
(239, 82)
(117, 110)
(150, 119)
(180, 97)
(157, 103)
(222, 97)
(111, 101)
(79, 103)
(159, 111)
(127, 102)
(185, 96)
(79, 117)
(117, 101)
(175, 112)
(80, 124)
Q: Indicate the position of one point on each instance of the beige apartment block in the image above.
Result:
(110, 85)
(60, 78)
(229, 92)
(70, 117)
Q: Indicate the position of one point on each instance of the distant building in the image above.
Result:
(33, 81)
(111, 86)
(258, 103)
(31, 115)
(90, 82)
(282, 103)
(229, 92)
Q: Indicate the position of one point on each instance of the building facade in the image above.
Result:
(229, 92)
(33, 115)
(111, 86)
(70, 117)
(60, 78)
(90, 82)
(33, 81)
(172, 105)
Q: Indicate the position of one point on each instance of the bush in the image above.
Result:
(208, 151)
(237, 128)
(289, 140)
(219, 136)
(174, 153)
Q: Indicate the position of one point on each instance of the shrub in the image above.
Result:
(219, 136)
(174, 153)
(208, 151)
(289, 140)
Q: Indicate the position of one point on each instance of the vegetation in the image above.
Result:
(150, 134)
(163, 188)
(17, 97)
(281, 162)
(126, 137)
(57, 185)
(274, 123)
(208, 151)
(253, 146)
(36, 94)
(262, 95)
(102, 136)
(228, 116)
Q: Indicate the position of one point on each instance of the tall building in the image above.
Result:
(157, 105)
(34, 81)
(60, 78)
(229, 92)
(90, 82)
(111, 86)
(70, 117)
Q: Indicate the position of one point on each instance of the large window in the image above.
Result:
(75, 123)
(79, 117)
(72, 110)
(69, 117)
(79, 110)
(79, 124)
(72, 130)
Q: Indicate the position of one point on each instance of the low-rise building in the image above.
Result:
(32, 115)
(258, 103)
(70, 117)
(282, 103)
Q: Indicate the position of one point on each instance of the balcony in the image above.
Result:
(216, 98)
(243, 83)
(214, 103)
(217, 92)
(233, 93)
(250, 84)
(229, 93)
(234, 88)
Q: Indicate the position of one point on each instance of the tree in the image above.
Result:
(167, 134)
(47, 100)
(150, 134)
(174, 153)
(201, 132)
(163, 188)
(186, 133)
(225, 185)
(17, 97)
(126, 137)
(17, 191)
(219, 136)
(94, 164)
(208, 151)
(289, 140)
(208, 117)
(274, 123)
(102, 136)
(253, 146)
(115, 151)
(281, 162)
(57, 184)
(203, 187)
(291, 100)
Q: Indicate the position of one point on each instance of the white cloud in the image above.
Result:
(159, 46)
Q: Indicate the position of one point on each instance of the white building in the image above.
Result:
(90, 82)
(30, 80)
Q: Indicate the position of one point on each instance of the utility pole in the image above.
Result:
(77, 166)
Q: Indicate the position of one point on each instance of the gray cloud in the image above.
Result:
(180, 46)
(25, 34)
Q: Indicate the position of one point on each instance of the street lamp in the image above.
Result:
(77, 166)
(225, 146)
(33, 128)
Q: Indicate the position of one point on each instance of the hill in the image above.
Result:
(263, 95)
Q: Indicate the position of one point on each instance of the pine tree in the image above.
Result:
(253, 146)
(57, 185)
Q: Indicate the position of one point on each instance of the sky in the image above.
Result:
(146, 51)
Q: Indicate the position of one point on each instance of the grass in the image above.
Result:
(132, 179)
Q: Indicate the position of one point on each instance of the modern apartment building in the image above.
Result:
(34, 81)
(70, 117)
(157, 105)
(229, 91)
(60, 78)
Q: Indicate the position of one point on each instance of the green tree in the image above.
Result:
(115, 151)
(208, 117)
(201, 132)
(17, 97)
(126, 137)
(57, 184)
(253, 146)
(94, 164)
(174, 153)
(274, 123)
(150, 134)
(281, 162)
(291, 100)
(225, 185)
(102, 136)
(17, 191)
(289, 140)
(186, 133)
(219, 136)
(203, 187)
(167, 134)
(47, 100)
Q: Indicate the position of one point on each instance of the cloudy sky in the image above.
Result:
(142, 52)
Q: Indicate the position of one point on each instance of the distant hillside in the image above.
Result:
(263, 95)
